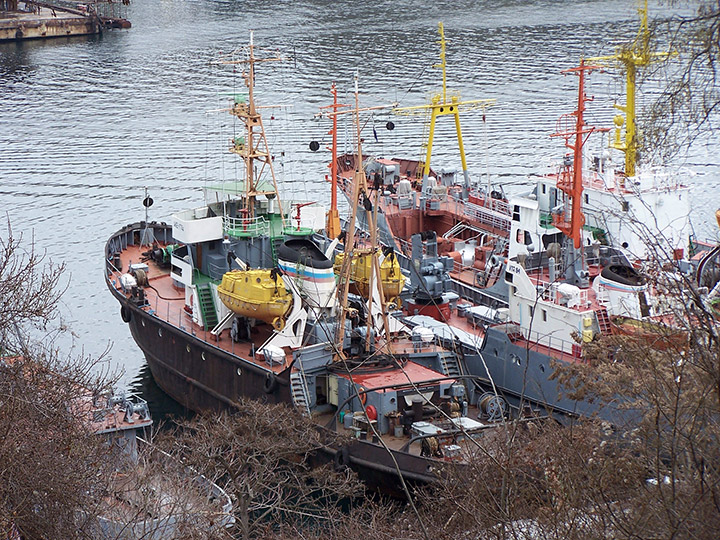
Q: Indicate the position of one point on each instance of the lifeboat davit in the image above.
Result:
(391, 274)
(256, 293)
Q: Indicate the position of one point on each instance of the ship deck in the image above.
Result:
(406, 215)
(166, 300)
(475, 438)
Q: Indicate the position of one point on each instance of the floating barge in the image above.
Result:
(42, 20)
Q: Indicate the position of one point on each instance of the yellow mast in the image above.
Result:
(631, 57)
(440, 106)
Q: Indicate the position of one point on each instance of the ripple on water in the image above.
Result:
(87, 124)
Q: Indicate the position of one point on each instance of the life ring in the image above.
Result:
(125, 314)
(341, 460)
(270, 383)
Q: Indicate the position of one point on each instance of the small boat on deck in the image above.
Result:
(361, 270)
(256, 293)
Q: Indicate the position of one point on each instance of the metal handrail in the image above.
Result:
(242, 226)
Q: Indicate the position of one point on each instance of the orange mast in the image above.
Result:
(570, 180)
(332, 227)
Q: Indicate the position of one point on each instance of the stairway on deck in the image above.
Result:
(207, 306)
(450, 365)
(603, 320)
(300, 394)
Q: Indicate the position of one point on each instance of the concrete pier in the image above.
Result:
(46, 21)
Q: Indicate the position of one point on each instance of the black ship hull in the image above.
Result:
(202, 377)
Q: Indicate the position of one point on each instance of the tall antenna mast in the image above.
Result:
(359, 188)
(254, 149)
(332, 227)
(570, 179)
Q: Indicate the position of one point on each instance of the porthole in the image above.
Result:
(187, 348)
(143, 322)
(160, 332)
(542, 368)
(238, 371)
(516, 359)
(203, 355)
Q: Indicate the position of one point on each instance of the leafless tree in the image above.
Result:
(59, 478)
(30, 290)
(49, 467)
(265, 456)
(688, 105)
(652, 470)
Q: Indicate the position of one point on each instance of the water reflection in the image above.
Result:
(163, 409)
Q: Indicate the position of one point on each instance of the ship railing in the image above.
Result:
(487, 216)
(550, 292)
(592, 179)
(111, 268)
(174, 313)
(554, 346)
(481, 199)
(480, 278)
(245, 226)
(655, 178)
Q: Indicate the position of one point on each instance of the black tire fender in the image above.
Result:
(342, 458)
(270, 383)
(125, 314)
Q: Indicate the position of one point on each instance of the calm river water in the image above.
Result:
(87, 123)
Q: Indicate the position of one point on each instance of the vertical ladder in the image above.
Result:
(299, 391)
(450, 365)
(207, 306)
(275, 243)
(603, 320)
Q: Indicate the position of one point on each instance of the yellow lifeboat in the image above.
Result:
(258, 294)
(390, 273)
